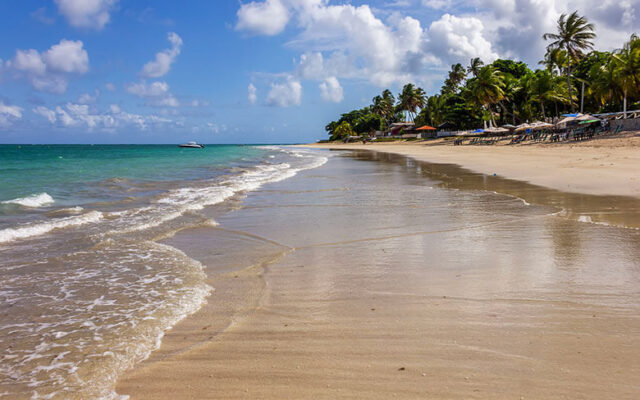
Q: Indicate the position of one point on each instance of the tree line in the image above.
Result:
(572, 76)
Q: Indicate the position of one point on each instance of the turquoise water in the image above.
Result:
(63, 171)
(86, 291)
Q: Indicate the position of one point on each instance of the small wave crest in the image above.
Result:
(33, 201)
(40, 228)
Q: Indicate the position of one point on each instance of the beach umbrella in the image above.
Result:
(509, 126)
(586, 117)
(496, 130)
(540, 125)
(522, 127)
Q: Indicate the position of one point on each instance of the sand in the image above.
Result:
(367, 280)
(603, 166)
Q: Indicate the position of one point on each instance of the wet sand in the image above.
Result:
(603, 166)
(377, 276)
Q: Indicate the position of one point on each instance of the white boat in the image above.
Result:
(192, 145)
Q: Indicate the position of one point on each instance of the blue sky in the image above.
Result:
(267, 71)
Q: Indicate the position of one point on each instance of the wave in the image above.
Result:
(35, 200)
(183, 200)
(40, 228)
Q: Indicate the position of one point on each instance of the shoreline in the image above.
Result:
(354, 309)
(602, 166)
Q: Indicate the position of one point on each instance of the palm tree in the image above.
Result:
(487, 88)
(411, 99)
(575, 35)
(474, 66)
(555, 61)
(383, 106)
(626, 69)
(544, 87)
(604, 87)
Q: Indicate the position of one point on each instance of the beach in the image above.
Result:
(382, 276)
(605, 166)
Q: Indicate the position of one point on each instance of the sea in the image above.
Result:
(86, 288)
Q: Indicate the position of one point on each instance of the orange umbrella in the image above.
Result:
(426, 128)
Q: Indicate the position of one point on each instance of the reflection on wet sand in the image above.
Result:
(400, 279)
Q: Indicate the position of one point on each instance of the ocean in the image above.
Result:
(86, 289)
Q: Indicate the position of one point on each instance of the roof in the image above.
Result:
(426, 128)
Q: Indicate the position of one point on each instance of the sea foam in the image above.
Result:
(40, 228)
(35, 200)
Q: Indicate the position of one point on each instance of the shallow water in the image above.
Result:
(386, 262)
(86, 289)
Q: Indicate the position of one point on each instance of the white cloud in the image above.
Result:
(87, 98)
(437, 4)
(162, 63)
(9, 114)
(266, 18)
(50, 71)
(156, 94)
(82, 116)
(459, 38)
(252, 94)
(285, 94)
(67, 56)
(331, 90)
(50, 115)
(110, 86)
(92, 14)
(350, 41)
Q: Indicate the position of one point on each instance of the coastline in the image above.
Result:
(603, 166)
(401, 301)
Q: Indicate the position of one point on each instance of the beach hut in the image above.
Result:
(427, 131)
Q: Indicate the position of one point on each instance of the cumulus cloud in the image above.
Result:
(51, 70)
(285, 94)
(331, 90)
(162, 63)
(265, 18)
(9, 114)
(348, 41)
(252, 94)
(459, 38)
(154, 89)
(156, 94)
(90, 14)
(87, 98)
(83, 116)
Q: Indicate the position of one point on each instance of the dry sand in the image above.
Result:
(603, 166)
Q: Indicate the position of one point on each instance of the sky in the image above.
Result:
(264, 71)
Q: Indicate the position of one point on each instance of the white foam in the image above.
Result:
(33, 201)
(40, 228)
(179, 201)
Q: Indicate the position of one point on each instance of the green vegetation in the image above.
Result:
(574, 77)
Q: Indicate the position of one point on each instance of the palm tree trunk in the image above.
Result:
(624, 105)
(569, 86)
(544, 115)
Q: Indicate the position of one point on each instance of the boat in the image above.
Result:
(192, 145)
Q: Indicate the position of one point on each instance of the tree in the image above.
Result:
(342, 131)
(626, 69)
(411, 99)
(575, 35)
(455, 78)
(474, 66)
(383, 106)
(542, 86)
(487, 88)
